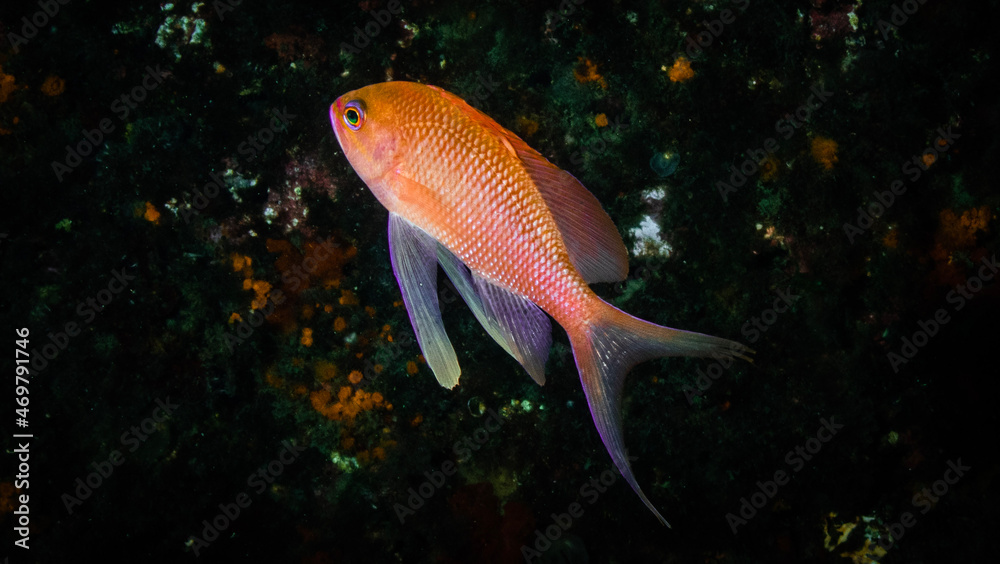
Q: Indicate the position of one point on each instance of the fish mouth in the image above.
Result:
(335, 110)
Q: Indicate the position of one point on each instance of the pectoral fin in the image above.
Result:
(414, 261)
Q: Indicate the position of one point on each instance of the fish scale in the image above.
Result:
(516, 235)
(503, 192)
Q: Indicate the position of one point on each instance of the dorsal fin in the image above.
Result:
(594, 244)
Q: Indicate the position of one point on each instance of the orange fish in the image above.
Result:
(518, 236)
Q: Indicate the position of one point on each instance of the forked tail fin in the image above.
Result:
(608, 347)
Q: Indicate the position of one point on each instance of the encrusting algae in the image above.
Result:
(151, 214)
(824, 152)
(586, 71)
(7, 497)
(350, 402)
(261, 288)
(957, 233)
(681, 70)
(8, 86)
(53, 86)
(338, 386)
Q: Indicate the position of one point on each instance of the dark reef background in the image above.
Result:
(246, 285)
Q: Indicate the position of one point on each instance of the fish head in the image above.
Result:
(368, 124)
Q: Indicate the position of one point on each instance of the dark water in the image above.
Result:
(221, 368)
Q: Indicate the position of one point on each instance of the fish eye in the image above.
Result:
(354, 115)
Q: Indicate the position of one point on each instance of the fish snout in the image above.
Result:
(334, 112)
